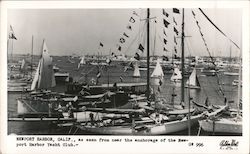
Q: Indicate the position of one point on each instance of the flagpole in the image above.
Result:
(148, 79)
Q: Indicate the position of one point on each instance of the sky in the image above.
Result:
(80, 31)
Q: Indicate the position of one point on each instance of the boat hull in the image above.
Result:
(221, 126)
(150, 129)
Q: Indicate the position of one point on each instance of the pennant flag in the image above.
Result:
(155, 21)
(175, 40)
(201, 33)
(121, 78)
(135, 13)
(176, 31)
(193, 13)
(164, 32)
(122, 40)
(101, 45)
(98, 75)
(165, 41)
(129, 27)
(137, 56)
(164, 49)
(125, 35)
(166, 23)
(175, 10)
(165, 58)
(165, 13)
(132, 20)
(175, 50)
(119, 48)
(160, 82)
(11, 34)
(141, 48)
(174, 21)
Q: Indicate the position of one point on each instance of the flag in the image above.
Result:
(165, 41)
(165, 13)
(175, 40)
(132, 20)
(176, 31)
(175, 10)
(11, 34)
(166, 23)
(119, 48)
(131, 65)
(174, 21)
(160, 82)
(137, 56)
(135, 13)
(141, 47)
(165, 58)
(164, 49)
(175, 50)
(101, 45)
(193, 13)
(125, 35)
(129, 27)
(164, 32)
(98, 75)
(121, 78)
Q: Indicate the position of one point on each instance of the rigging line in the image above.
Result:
(218, 28)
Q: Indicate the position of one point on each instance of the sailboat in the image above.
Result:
(37, 100)
(193, 82)
(158, 72)
(143, 120)
(136, 73)
(82, 62)
(229, 121)
(176, 76)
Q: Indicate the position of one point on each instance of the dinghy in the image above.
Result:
(193, 82)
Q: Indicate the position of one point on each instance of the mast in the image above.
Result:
(31, 61)
(182, 58)
(148, 79)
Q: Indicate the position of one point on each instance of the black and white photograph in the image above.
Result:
(165, 71)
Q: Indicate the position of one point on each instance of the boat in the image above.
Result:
(193, 82)
(176, 76)
(158, 72)
(136, 73)
(37, 102)
(82, 62)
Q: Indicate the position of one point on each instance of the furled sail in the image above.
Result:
(44, 77)
(158, 72)
(136, 70)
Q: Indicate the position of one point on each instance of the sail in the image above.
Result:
(82, 62)
(35, 79)
(176, 75)
(158, 72)
(136, 70)
(23, 65)
(44, 77)
(193, 79)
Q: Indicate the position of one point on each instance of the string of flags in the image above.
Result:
(12, 34)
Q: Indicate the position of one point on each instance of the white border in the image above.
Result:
(211, 143)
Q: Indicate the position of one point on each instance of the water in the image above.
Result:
(112, 74)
